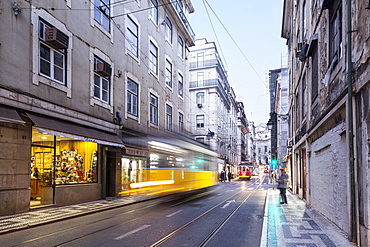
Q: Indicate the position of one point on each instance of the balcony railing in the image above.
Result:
(208, 63)
(210, 83)
(180, 11)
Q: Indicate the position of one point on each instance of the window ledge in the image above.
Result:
(52, 83)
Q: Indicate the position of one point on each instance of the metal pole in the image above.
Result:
(353, 236)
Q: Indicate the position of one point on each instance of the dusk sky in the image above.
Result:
(248, 36)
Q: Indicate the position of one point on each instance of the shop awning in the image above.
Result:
(74, 131)
(10, 115)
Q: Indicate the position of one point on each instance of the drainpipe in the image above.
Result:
(353, 235)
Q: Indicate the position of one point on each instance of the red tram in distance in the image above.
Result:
(244, 171)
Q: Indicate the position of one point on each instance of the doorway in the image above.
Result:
(41, 178)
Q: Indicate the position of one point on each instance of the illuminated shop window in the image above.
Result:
(73, 161)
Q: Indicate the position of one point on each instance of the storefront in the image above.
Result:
(66, 161)
(134, 167)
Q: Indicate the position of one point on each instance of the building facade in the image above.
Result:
(214, 112)
(251, 144)
(263, 145)
(279, 92)
(77, 99)
(328, 45)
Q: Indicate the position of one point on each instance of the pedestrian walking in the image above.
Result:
(282, 185)
(229, 176)
(223, 176)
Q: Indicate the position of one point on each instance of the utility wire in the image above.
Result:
(236, 44)
(214, 31)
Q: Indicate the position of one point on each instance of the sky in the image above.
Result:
(247, 34)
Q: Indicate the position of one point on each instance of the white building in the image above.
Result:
(251, 143)
(263, 145)
(213, 108)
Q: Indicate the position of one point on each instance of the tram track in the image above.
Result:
(173, 233)
(220, 225)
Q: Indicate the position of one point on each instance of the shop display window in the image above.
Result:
(133, 171)
(63, 160)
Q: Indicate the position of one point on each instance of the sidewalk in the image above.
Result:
(47, 215)
(296, 225)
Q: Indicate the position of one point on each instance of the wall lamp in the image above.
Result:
(210, 134)
(17, 10)
(270, 123)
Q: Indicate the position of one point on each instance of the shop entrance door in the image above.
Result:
(42, 167)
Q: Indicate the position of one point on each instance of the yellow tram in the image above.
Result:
(175, 165)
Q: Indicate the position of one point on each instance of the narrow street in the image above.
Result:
(237, 213)
(232, 213)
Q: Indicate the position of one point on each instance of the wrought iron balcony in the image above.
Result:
(180, 11)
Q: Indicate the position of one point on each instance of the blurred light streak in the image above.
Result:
(164, 147)
(151, 183)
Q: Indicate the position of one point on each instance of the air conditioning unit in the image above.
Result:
(56, 38)
(200, 105)
(103, 69)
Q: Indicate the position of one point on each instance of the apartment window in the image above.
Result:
(200, 139)
(200, 59)
(200, 79)
(132, 40)
(181, 86)
(52, 52)
(304, 110)
(153, 57)
(132, 97)
(153, 109)
(102, 73)
(168, 73)
(200, 121)
(180, 47)
(200, 98)
(304, 22)
(297, 115)
(181, 122)
(102, 12)
(335, 31)
(168, 30)
(168, 117)
(315, 75)
(153, 11)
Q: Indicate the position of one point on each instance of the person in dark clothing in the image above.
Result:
(229, 176)
(282, 185)
(223, 176)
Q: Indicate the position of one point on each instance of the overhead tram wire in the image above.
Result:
(236, 44)
(214, 32)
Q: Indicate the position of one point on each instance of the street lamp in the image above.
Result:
(270, 124)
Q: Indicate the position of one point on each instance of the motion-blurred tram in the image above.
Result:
(174, 165)
(244, 171)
